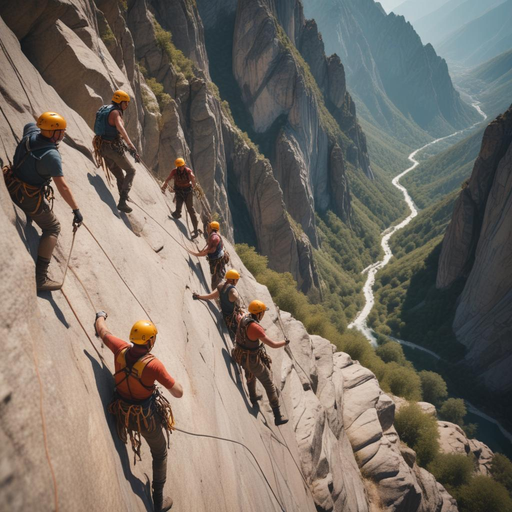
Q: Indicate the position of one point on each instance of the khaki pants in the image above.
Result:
(256, 366)
(186, 197)
(45, 219)
(116, 163)
(158, 446)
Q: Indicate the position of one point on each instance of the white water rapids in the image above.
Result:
(360, 322)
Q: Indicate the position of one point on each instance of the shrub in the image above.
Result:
(501, 470)
(483, 494)
(403, 381)
(391, 351)
(453, 410)
(419, 431)
(158, 90)
(452, 470)
(433, 387)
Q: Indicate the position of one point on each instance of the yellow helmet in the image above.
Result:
(256, 306)
(120, 96)
(51, 121)
(143, 332)
(232, 274)
(215, 226)
(179, 162)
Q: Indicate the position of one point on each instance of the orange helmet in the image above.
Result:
(143, 332)
(50, 121)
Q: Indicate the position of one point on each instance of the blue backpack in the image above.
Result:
(101, 126)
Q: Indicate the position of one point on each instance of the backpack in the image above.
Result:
(100, 125)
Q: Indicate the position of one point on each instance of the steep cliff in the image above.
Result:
(389, 68)
(477, 248)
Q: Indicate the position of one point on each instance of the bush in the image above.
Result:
(433, 387)
(453, 410)
(391, 351)
(452, 470)
(501, 470)
(402, 381)
(419, 431)
(158, 90)
(483, 494)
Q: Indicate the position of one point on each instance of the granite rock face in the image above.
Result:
(477, 248)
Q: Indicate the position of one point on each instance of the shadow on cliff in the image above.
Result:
(103, 192)
(105, 385)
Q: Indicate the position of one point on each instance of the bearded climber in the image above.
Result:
(138, 406)
(108, 144)
(250, 353)
(36, 161)
(217, 256)
(229, 301)
(184, 182)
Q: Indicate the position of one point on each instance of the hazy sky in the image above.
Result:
(390, 4)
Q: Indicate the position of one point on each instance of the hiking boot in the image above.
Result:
(161, 503)
(279, 419)
(255, 399)
(176, 215)
(43, 282)
(122, 206)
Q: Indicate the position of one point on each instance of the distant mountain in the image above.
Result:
(403, 84)
(413, 10)
(389, 5)
(450, 17)
(492, 83)
(481, 39)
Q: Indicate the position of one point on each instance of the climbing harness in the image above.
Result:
(99, 161)
(143, 415)
(243, 355)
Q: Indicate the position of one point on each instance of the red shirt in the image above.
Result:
(213, 242)
(255, 331)
(182, 179)
(154, 370)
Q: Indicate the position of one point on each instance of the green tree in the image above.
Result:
(419, 431)
(391, 351)
(402, 381)
(483, 494)
(452, 470)
(433, 387)
(501, 470)
(453, 410)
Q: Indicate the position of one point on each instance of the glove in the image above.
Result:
(78, 218)
(195, 296)
(287, 341)
(163, 189)
(99, 314)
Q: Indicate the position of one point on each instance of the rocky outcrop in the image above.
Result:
(452, 439)
(389, 68)
(368, 416)
(477, 248)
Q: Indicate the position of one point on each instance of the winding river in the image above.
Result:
(360, 323)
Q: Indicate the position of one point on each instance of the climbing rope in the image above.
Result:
(243, 446)
(75, 228)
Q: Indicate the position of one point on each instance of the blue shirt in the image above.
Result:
(44, 161)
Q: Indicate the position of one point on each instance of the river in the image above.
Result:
(488, 428)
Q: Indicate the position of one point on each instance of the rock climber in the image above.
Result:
(217, 256)
(138, 406)
(230, 300)
(36, 162)
(250, 353)
(184, 183)
(108, 144)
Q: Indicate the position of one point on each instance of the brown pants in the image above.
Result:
(217, 270)
(116, 163)
(45, 219)
(186, 197)
(256, 366)
(158, 446)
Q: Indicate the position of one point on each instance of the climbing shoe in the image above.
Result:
(255, 399)
(279, 419)
(176, 215)
(161, 503)
(122, 206)
(43, 282)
